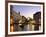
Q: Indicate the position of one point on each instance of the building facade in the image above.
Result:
(37, 18)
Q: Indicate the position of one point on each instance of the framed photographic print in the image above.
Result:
(24, 18)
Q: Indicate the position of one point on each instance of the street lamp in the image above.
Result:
(11, 23)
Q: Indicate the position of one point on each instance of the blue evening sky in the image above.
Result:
(26, 11)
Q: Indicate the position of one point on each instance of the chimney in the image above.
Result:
(19, 13)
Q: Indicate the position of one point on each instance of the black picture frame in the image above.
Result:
(6, 17)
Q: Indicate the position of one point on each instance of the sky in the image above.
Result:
(26, 11)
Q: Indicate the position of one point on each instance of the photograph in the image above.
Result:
(25, 18)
